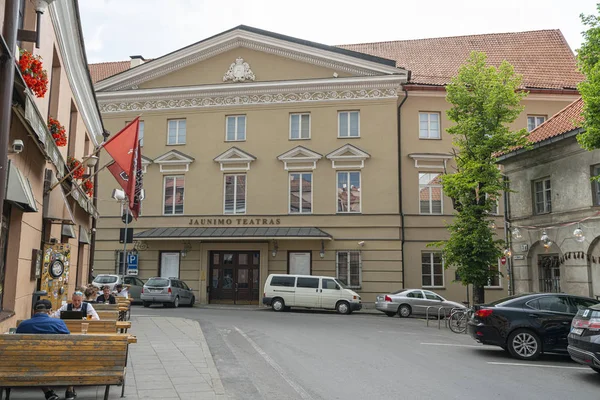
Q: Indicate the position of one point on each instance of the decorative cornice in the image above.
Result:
(240, 38)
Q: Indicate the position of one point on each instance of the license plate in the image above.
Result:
(156, 290)
(577, 331)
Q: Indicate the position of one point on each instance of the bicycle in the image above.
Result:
(458, 320)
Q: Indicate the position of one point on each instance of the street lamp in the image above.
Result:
(91, 161)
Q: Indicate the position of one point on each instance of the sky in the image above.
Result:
(117, 29)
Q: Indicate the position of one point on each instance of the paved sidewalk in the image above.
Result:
(171, 360)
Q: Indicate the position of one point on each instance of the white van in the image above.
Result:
(309, 291)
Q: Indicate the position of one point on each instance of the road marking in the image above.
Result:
(275, 366)
(452, 345)
(535, 365)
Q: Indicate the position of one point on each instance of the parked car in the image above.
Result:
(285, 291)
(527, 325)
(584, 338)
(106, 280)
(407, 302)
(135, 287)
(171, 292)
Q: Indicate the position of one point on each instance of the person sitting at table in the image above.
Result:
(77, 304)
(91, 294)
(41, 323)
(106, 297)
(121, 291)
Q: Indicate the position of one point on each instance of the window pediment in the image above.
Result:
(300, 158)
(348, 157)
(431, 160)
(173, 161)
(235, 159)
(145, 162)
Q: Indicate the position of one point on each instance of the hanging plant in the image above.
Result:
(88, 187)
(58, 132)
(33, 73)
(75, 166)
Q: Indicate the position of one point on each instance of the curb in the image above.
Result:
(212, 368)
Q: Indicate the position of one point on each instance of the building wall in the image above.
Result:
(568, 167)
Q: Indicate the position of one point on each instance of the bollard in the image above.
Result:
(427, 314)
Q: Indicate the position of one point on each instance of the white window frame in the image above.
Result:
(337, 272)
(430, 195)
(439, 131)
(234, 212)
(431, 270)
(347, 136)
(535, 120)
(300, 192)
(300, 126)
(337, 181)
(497, 206)
(177, 139)
(547, 206)
(236, 138)
(174, 189)
(499, 286)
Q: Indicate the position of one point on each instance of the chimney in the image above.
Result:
(135, 61)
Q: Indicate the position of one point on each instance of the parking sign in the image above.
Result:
(132, 264)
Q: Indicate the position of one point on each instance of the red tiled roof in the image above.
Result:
(543, 57)
(566, 120)
(107, 69)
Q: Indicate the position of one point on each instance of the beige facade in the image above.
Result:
(50, 217)
(387, 235)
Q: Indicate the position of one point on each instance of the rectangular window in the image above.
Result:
(432, 269)
(299, 126)
(495, 205)
(173, 195)
(494, 281)
(429, 125)
(285, 281)
(300, 193)
(235, 194)
(430, 193)
(542, 196)
(140, 132)
(348, 192)
(309, 283)
(349, 268)
(177, 131)
(236, 128)
(348, 124)
(533, 121)
(596, 185)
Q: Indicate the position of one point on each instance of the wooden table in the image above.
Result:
(130, 338)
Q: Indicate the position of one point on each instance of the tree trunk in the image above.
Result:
(478, 295)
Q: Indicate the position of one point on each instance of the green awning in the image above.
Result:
(84, 236)
(18, 190)
(68, 231)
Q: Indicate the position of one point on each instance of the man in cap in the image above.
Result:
(42, 323)
(121, 291)
(77, 304)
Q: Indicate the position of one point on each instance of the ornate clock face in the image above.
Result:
(57, 268)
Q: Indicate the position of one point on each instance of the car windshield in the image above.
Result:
(105, 279)
(399, 291)
(157, 282)
(342, 284)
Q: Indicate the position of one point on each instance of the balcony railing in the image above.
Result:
(550, 285)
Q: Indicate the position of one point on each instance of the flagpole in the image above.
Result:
(125, 261)
(74, 169)
(88, 178)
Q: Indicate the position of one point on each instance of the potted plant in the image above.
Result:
(34, 74)
(58, 132)
(88, 187)
(75, 166)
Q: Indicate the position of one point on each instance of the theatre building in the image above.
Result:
(269, 154)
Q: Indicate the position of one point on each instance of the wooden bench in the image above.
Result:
(108, 315)
(62, 360)
(105, 307)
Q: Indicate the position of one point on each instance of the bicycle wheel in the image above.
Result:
(458, 322)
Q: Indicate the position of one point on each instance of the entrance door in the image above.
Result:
(234, 277)
(549, 272)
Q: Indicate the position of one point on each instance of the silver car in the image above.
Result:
(171, 292)
(135, 287)
(406, 302)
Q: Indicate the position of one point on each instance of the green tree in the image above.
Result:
(484, 100)
(588, 59)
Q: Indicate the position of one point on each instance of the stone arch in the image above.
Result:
(547, 277)
(593, 253)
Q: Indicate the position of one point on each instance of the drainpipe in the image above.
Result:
(511, 280)
(400, 208)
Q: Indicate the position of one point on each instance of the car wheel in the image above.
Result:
(278, 305)
(147, 304)
(192, 301)
(524, 345)
(343, 307)
(176, 302)
(404, 311)
(390, 314)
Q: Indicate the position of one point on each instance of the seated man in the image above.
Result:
(106, 297)
(77, 304)
(91, 294)
(41, 323)
(121, 291)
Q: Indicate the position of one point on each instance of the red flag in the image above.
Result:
(122, 146)
(119, 175)
(135, 203)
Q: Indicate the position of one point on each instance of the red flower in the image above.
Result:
(88, 187)
(75, 166)
(33, 73)
(58, 132)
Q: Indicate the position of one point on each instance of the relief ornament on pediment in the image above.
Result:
(239, 71)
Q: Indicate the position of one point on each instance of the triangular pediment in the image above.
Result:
(146, 160)
(174, 157)
(348, 152)
(235, 159)
(241, 65)
(300, 153)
